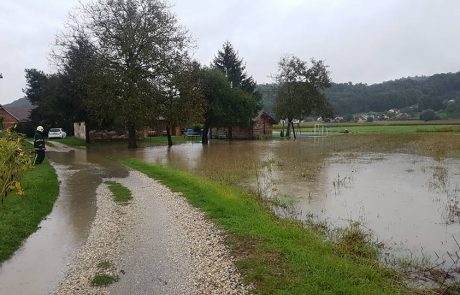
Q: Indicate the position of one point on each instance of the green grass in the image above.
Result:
(20, 216)
(103, 280)
(70, 141)
(277, 256)
(121, 194)
(390, 129)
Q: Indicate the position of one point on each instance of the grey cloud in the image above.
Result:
(361, 41)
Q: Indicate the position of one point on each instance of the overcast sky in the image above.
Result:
(361, 40)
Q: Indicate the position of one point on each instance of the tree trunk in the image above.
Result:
(204, 136)
(293, 130)
(288, 130)
(168, 132)
(87, 129)
(230, 133)
(132, 142)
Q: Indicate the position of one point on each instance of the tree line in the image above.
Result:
(440, 92)
(126, 64)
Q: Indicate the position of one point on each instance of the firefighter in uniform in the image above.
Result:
(39, 146)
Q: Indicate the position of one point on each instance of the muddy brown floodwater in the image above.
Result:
(408, 199)
(40, 264)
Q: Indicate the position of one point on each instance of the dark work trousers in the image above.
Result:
(39, 157)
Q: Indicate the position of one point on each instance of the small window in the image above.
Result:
(55, 129)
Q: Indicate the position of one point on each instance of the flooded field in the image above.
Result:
(407, 197)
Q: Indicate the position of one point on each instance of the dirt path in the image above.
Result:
(158, 244)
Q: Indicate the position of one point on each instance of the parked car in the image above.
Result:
(57, 133)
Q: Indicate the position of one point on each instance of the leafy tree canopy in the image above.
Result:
(228, 62)
(300, 88)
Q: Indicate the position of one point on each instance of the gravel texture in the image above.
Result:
(103, 245)
(158, 244)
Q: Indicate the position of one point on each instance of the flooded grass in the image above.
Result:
(354, 242)
(279, 256)
(163, 140)
(20, 215)
(385, 127)
(121, 194)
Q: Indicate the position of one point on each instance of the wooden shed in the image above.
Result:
(261, 126)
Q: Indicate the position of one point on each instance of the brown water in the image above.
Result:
(40, 264)
(408, 201)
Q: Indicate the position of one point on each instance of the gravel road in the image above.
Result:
(158, 244)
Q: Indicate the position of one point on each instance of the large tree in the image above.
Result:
(225, 106)
(181, 99)
(242, 102)
(300, 89)
(139, 42)
(81, 79)
(228, 62)
(46, 93)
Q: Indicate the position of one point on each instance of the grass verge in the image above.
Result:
(20, 215)
(388, 129)
(70, 141)
(277, 256)
(121, 194)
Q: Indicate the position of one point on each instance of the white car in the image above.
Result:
(57, 133)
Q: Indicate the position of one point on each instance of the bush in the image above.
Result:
(429, 115)
(349, 118)
(14, 163)
(370, 119)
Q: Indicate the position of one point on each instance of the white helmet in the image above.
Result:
(40, 128)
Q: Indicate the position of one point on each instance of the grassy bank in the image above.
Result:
(70, 141)
(20, 216)
(277, 256)
(388, 129)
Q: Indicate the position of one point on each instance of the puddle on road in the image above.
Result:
(40, 264)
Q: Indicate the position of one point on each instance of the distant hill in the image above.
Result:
(415, 93)
(20, 108)
(20, 103)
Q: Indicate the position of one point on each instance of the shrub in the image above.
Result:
(14, 163)
(348, 118)
(428, 115)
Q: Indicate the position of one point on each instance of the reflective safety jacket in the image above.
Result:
(39, 141)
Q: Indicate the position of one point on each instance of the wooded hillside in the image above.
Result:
(420, 93)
